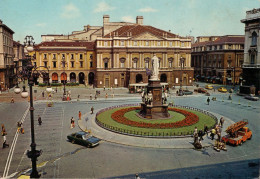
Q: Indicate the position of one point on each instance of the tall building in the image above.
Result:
(218, 59)
(124, 55)
(6, 57)
(251, 65)
(123, 51)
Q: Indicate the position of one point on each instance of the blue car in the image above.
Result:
(83, 138)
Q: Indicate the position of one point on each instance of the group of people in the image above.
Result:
(198, 135)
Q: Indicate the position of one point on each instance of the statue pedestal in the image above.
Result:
(154, 109)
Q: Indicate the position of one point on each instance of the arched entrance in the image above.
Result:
(72, 77)
(139, 78)
(54, 78)
(163, 78)
(81, 78)
(63, 78)
(91, 77)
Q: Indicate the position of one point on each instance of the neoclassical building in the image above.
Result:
(218, 59)
(251, 65)
(69, 61)
(124, 55)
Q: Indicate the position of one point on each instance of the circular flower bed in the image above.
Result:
(190, 119)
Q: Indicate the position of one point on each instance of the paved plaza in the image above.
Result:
(121, 156)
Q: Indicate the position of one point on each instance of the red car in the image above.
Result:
(202, 90)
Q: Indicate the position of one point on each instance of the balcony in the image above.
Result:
(251, 65)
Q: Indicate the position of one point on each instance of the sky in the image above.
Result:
(182, 17)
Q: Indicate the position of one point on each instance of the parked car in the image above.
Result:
(83, 138)
(209, 87)
(252, 97)
(187, 92)
(222, 89)
(202, 90)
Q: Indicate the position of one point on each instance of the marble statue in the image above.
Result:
(155, 70)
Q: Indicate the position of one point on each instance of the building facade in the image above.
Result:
(72, 62)
(6, 57)
(124, 55)
(218, 59)
(251, 65)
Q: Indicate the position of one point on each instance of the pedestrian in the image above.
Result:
(79, 115)
(136, 176)
(39, 120)
(90, 96)
(3, 130)
(208, 100)
(43, 94)
(113, 95)
(56, 89)
(18, 126)
(72, 123)
(195, 131)
(201, 135)
(221, 121)
(206, 130)
(92, 110)
(104, 88)
(106, 95)
(95, 96)
(78, 97)
(12, 100)
(4, 142)
(212, 134)
(22, 129)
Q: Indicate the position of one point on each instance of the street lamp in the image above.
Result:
(64, 82)
(182, 60)
(29, 72)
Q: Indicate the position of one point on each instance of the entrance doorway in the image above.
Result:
(81, 78)
(91, 77)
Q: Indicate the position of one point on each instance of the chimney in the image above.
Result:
(139, 20)
(105, 19)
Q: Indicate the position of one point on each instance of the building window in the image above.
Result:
(72, 56)
(106, 65)
(122, 62)
(252, 59)
(45, 64)
(91, 64)
(121, 43)
(45, 56)
(159, 43)
(229, 47)
(170, 43)
(54, 56)
(63, 56)
(54, 64)
(135, 62)
(80, 56)
(135, 43)
(254, 39)
(105, 43)
(182, 44)
(220, 47)
(146, 60)
(146, 43)
(72, 64)
(81, 64)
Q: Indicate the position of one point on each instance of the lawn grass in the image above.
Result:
(105, 118)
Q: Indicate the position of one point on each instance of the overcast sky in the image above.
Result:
(183, 17)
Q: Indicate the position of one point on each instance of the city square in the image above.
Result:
(130, 100)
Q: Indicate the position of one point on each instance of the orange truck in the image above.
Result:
(237, 133)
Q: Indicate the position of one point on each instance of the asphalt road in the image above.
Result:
(61, 159)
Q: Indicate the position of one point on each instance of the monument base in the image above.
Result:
(154, 112)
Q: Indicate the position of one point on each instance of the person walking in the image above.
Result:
(72, 123)
(208, 100)
(12, 100)
(22, 129)
(4, 142)
(39, 120)
(212, 134)
(206, 130)
(79, 115)
(221, 121)
(201, 135)
(43, 94)
(106, 95)
(92, 110)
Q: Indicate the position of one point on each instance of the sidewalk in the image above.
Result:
(88, 122)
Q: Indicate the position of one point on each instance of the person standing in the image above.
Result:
(39, 120)
(106, 95)
(206, 130)
(72, 123)
(79, 115)
(212, 134)
(208, 100)
(4, 142)
(43, 94)
(221, 121)
(92, 110)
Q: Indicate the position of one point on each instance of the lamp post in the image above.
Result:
(64, 82)
(182, 60)
(29, 72)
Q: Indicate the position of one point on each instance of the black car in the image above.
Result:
(251, 97)
(83, 138)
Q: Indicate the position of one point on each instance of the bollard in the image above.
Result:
(222, 99)
(239, 102)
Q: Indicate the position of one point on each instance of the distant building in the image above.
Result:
(6, 57)
(251, 65)
(218, 59)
